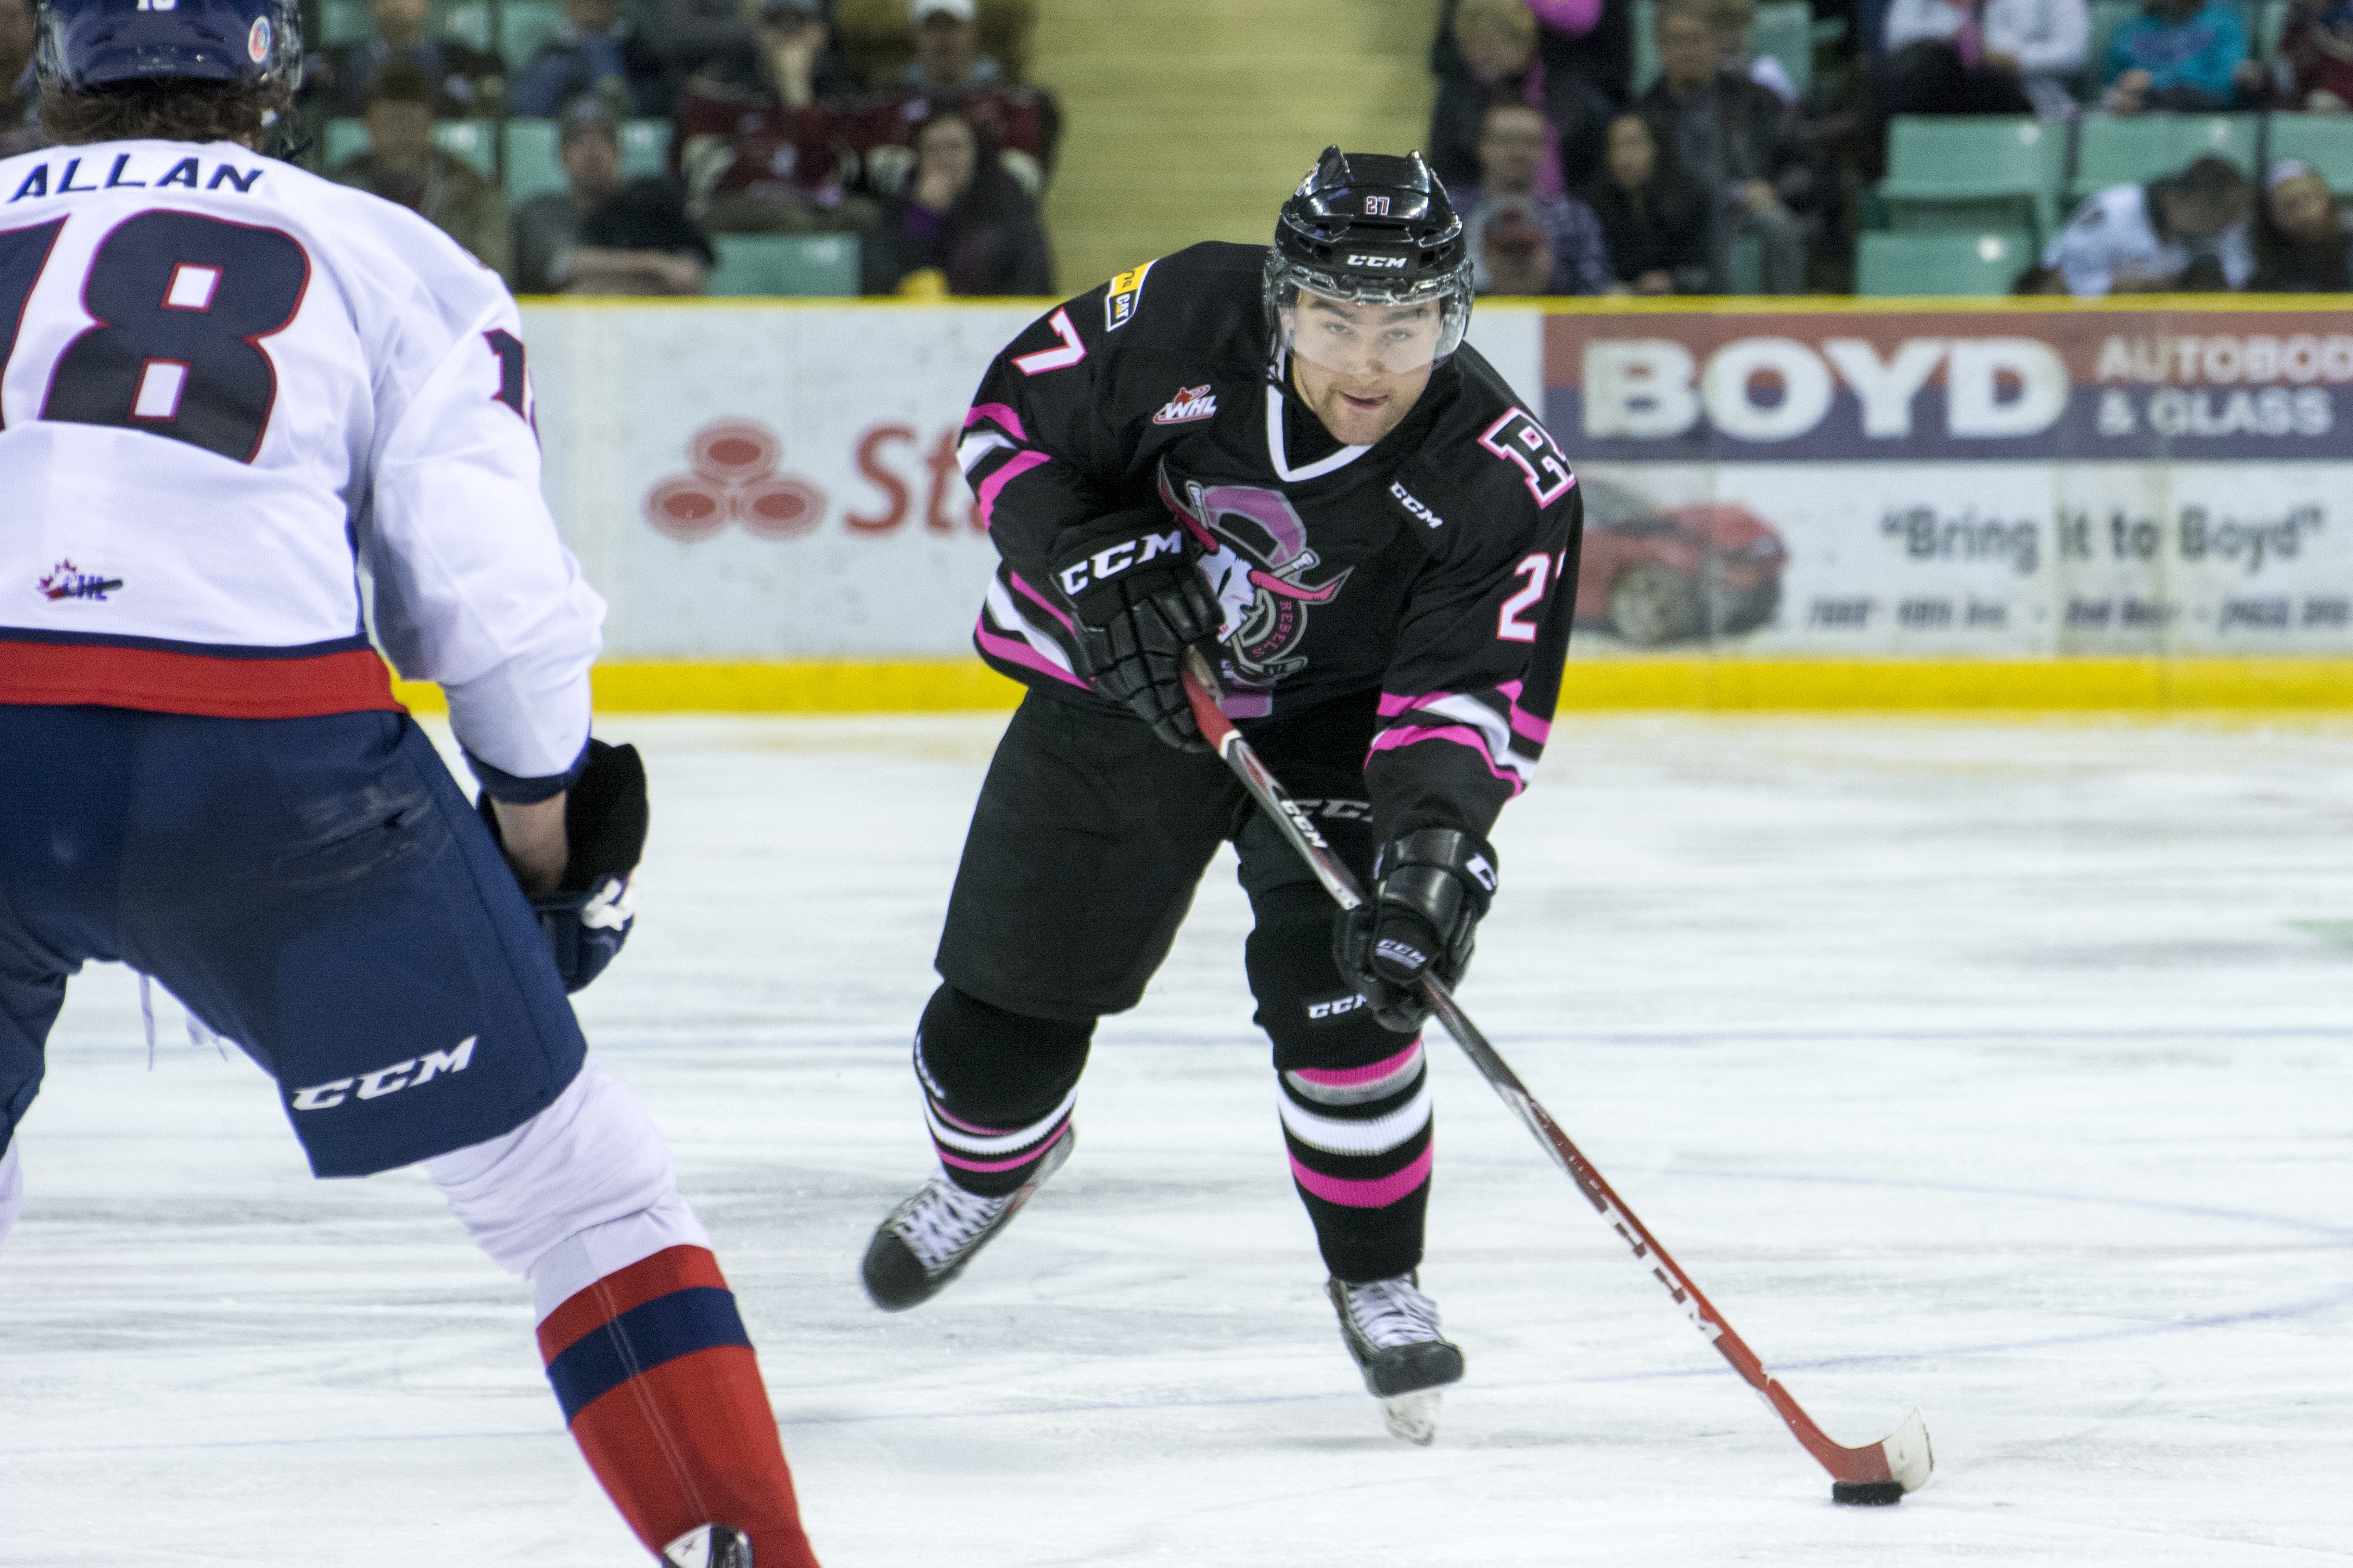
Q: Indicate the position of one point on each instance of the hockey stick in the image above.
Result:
(1879, 1472)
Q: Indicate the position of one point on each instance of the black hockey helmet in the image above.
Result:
(85, 44)
(1370, 227)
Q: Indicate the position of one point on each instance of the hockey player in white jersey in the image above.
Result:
(224, 384)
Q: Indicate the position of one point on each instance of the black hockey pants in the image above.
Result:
(1087, 842)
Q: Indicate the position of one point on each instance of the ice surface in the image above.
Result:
(2002, 1069)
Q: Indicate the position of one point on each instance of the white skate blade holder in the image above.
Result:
(1412, 1416)
(708, 1546)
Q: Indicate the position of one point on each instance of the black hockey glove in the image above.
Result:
(1139, 604)
(1431, 890)
(588, 916)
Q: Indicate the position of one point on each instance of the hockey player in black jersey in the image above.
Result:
(1287, 456)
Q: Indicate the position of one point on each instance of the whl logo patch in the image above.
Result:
(1190, 403)
(388, 1080)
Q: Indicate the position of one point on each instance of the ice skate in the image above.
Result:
(1391, 1329)
(708, 1546)
(926, 1241)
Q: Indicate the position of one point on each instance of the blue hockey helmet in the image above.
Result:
(87, 44)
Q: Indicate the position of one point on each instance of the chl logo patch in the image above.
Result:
(1190, 403)
(67, 581)
(388, 1080)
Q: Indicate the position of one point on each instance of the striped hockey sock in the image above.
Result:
(993, 1160)
(662, 1392)
(1359, 1139)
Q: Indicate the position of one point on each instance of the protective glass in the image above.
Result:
(1370, 337)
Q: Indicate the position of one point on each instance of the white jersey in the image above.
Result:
(2111, 244)
(226, 382)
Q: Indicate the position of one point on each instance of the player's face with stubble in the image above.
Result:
(1360, 366)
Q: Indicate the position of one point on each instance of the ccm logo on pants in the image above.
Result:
(387, 1080)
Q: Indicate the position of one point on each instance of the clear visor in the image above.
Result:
(1370, 337)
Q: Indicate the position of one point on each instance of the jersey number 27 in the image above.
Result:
(180, 301)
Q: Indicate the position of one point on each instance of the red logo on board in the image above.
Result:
(735, 480)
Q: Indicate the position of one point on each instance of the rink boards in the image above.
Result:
(1816, 505)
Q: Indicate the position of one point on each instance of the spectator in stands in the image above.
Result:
(2316, 49)
(762, 139)
(1738, 140)
(605, 234)
(947, 49)
(402, 164)
(963, 224)
(2177, 53)
(1498, 43)
(1512, 144)
(20, 93)
(466, 81)
(695, 36)
(1021, 121)
(2186, 232)
(1510, 252)
(1944, 57)
(2300, 247)
(1653, 218)
(1734, 20)
(1592, 40)
(597, 54)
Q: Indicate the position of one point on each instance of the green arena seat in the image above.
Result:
(535, 165)
(470, 140)
(805, 264)
(1941, 264)
(524, 26)
(533, 168)
(2130, 149)
(2322, 140)
(1974, 174)
(343, 21)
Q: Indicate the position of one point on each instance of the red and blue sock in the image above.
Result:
(662, 1392)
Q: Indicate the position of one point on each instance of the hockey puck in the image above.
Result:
(1867, 1494)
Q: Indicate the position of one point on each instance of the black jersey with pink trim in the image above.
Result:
(1435, 568)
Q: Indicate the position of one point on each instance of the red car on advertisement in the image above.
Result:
(1657, 574)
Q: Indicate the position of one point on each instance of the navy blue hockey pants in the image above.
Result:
(316, 889)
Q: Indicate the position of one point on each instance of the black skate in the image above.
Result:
(926, 1241)
(1391, 1329)
(708, 1546)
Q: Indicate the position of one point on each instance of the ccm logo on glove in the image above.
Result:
(1113, 560)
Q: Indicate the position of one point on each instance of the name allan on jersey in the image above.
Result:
(187, 171)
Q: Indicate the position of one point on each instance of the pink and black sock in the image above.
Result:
(1359, 1139)
(998, 1089)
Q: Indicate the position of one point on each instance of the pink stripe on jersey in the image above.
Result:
(1528, 724)
(1456, 734)
(1006, 419)
(1376, 1194)
(1039, 599)
(1014, 651)
(1391, 704)
(1349, 1077)
(1004, 473)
